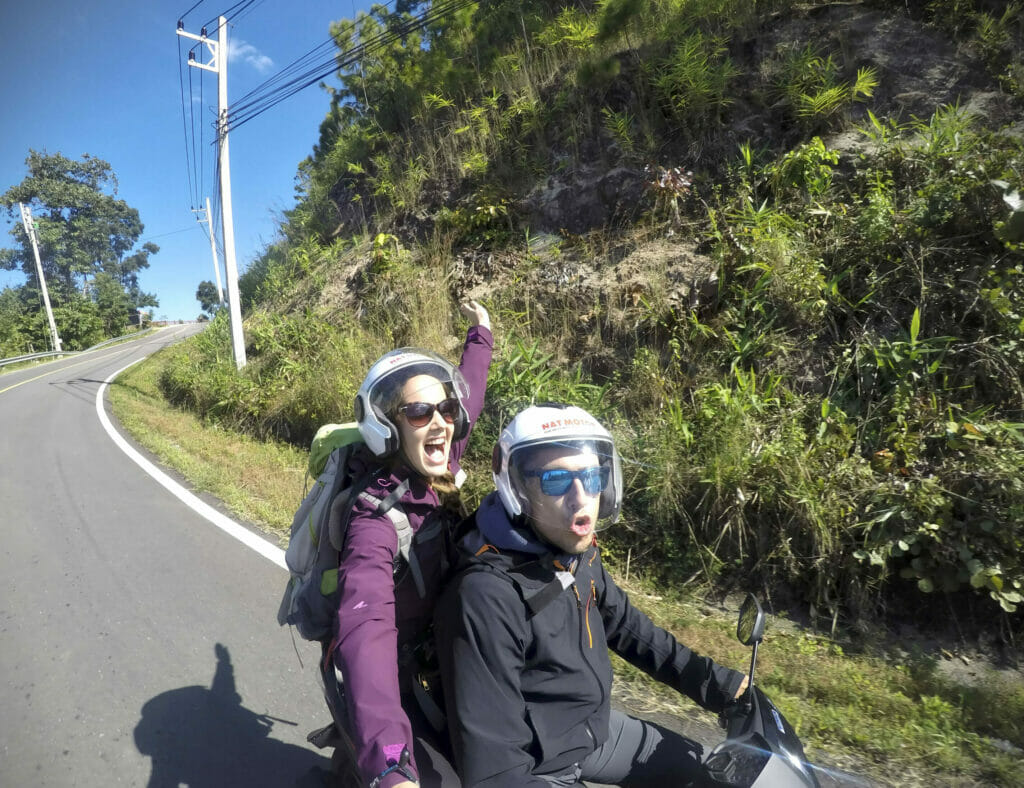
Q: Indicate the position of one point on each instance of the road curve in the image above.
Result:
(138, 644)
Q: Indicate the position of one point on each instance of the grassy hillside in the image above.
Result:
(776, 246)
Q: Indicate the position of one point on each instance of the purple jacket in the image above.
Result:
(376, 617)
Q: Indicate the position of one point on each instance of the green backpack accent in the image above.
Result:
(310, 601)
(328, 438)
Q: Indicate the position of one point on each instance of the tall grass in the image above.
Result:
(837, 413)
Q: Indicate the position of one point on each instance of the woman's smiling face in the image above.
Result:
(425, 448)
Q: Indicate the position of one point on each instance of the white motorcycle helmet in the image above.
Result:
(381, 391)
(553, 425)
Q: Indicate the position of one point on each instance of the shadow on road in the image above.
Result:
(205, 738)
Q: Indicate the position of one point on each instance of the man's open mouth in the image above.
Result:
(581, 525)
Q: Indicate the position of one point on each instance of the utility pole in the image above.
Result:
(208, 218)
(218, 64)
(30, 229)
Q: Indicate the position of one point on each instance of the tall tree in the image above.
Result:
(13, 336)
(85, 235)
(206, 295)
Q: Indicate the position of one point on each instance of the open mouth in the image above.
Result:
(581, 525)
(435, 450)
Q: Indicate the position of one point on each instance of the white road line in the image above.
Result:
(200, 507)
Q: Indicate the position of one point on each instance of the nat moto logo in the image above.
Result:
(563, 423)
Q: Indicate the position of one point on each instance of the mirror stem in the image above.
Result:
(753, 659)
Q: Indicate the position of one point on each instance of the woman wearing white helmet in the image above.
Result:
(524, 629)
(415, 411)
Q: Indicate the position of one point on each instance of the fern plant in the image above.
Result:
(811, 84)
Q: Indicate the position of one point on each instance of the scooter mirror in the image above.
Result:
(750, 629)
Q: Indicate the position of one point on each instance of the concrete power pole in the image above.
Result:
(218, 64)
(30, 229)
(208, 219)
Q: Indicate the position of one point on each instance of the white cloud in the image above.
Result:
(247, 53)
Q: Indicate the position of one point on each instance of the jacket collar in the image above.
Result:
(495, 529)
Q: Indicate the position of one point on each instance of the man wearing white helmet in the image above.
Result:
(524, 629)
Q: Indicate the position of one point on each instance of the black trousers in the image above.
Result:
(637, 754)
(430, 749)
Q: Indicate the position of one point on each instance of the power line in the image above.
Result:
(161, 235)
(227, 14)
(184, 126)
(246, 11)
(193, 8)
(304, 71)
(202, 164)
(265, 96)
(192, 120)
(195, 162)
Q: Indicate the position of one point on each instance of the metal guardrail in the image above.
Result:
(33, 356)
(139, 333)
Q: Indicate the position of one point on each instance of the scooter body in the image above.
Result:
(761, 748)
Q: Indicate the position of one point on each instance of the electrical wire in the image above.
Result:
(196, 162)
(184, 125)
(237, 18)
(274, 90)
(228, 13)
(193, 8)
(161, 235)
(264, 97)
(306, 70)
(322, 67)
(202, 148)
(192, 119)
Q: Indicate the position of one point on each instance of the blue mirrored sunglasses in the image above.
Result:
(558, 481)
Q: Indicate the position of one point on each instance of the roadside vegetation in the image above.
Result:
(787, 276)
(889, 716)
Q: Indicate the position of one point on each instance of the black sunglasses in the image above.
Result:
(419, 414)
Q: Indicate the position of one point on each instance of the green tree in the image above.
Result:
(113, 304)
(86, 237)
(127, 271)
(79, 323)
(206, 295)
(14, 341)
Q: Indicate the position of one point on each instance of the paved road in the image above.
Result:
(138, 644)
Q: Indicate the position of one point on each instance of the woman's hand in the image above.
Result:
(743, 687)
(475, 314)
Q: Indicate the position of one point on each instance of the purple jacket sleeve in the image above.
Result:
(367, 647)
(476, 361)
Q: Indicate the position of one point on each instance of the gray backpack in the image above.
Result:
(310, 601)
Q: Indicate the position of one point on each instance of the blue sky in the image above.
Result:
(103, 78)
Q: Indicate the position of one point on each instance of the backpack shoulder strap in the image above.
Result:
(389, 507)
(535, 601)
(549, 593)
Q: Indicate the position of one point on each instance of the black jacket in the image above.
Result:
(530, 694)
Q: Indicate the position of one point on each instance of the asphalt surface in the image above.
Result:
(138, 642)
